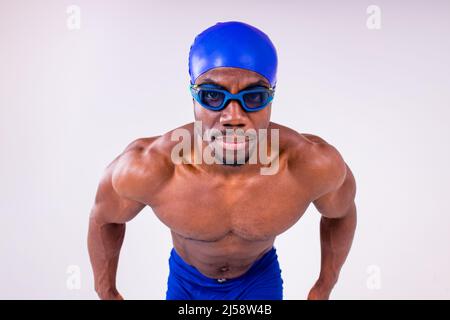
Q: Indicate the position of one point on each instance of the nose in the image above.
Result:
(233, 116)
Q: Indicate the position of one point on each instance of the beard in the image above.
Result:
(233, 153)
(232, 164)
(231, 147)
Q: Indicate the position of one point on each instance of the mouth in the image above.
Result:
(233, 143)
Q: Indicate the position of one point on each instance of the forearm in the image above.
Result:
(336, 237)
(104, 243)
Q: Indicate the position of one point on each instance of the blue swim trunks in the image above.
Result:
(261, 282)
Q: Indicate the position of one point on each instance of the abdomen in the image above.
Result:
(227, 257)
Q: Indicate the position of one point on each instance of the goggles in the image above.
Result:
(216, 99)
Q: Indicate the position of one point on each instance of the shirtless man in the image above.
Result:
(224, 217)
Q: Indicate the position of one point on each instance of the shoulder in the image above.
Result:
(328, 161)
(319, 162)
(143, 167)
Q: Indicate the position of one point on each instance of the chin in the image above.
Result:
(235, 161)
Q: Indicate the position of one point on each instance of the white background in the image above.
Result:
(71, 100)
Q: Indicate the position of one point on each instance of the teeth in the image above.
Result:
(231, 145)
(232, 138)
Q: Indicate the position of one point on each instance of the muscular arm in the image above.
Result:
(337, 227)
(106, 233)
(336, 236)
(128, 182)
(338, 221)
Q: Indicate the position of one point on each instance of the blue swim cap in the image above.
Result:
(233, 44)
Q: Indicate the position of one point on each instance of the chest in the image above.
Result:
(254, 208)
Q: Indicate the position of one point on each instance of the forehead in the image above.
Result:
(232, 76)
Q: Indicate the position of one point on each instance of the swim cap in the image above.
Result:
(233, 44)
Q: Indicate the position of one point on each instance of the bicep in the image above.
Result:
(337, 202)
(109, 206)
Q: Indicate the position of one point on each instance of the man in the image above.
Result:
(224, 215)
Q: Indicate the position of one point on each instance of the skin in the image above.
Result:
(225, 217)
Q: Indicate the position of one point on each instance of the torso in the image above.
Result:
(222, 224)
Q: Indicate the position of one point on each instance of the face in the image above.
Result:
(233, 120)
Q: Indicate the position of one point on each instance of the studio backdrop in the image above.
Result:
(80, 80)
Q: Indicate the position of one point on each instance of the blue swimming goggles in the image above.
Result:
(216, 99)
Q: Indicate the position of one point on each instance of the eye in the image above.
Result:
(253, 97)
(212, 95)
(212, 98)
